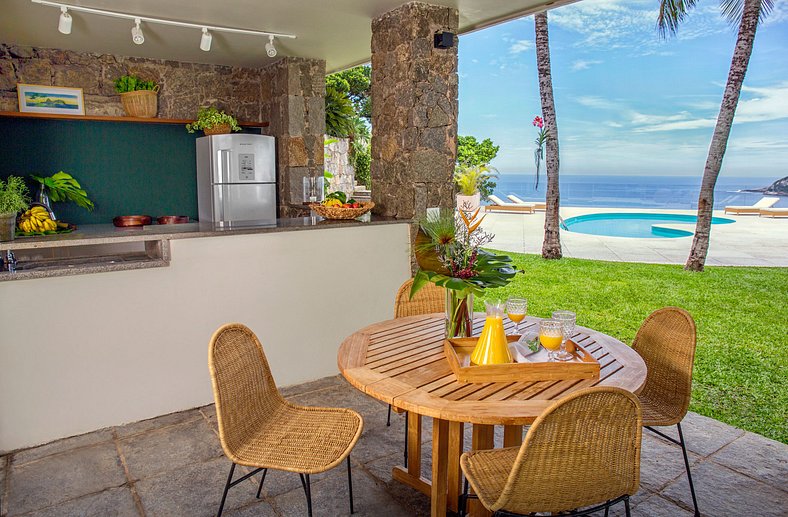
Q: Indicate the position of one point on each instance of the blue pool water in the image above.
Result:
(635, 225)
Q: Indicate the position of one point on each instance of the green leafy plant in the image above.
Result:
(208, 117)
(62, 186)
(14, 196)
(339, 113)
(356, 83)
(471, 152)
(469, 178)
(132, 83)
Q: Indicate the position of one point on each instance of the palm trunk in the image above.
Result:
(719, 141)
(551, 248)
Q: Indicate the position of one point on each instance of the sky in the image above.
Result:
(627, 101)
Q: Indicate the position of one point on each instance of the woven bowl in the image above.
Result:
(221, 129)
(140, 103)
(333, 212)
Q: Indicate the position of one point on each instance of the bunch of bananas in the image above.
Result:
(37, 220)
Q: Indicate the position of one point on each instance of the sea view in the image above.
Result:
(679, 192)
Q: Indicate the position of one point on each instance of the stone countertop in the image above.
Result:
(109, 234)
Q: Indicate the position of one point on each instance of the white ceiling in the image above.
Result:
(335, 30)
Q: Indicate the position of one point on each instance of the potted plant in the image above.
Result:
(13, 198)
(213, 122)
(468, 178)
(139, 97)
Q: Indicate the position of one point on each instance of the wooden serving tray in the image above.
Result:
(458, 353)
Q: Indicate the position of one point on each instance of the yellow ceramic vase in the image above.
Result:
(492, 348)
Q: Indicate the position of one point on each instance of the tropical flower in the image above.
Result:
(541, 138)
(538, 122)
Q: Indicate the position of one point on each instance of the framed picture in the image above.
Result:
(36, 98)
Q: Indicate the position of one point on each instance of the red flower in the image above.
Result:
(538, 122)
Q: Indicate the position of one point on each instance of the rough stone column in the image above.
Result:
(296, 111)
(414, 110)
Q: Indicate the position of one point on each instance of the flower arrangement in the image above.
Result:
(450, 255)
(541, 138)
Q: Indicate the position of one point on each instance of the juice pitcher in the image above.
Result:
(492, 348)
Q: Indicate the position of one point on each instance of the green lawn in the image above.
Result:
(742, 356)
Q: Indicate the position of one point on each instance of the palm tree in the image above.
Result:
(551, 248)
(747, 13)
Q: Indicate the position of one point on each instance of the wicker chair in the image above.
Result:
(258, 428)
(666, 342)
(583, 450)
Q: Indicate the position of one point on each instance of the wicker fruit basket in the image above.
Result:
(220, 129)
(141, 103)
(333, 212)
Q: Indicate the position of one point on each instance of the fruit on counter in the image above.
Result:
(338, 199)
(37, 220)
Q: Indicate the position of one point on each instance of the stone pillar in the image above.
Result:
(296, 111)
(414, 110)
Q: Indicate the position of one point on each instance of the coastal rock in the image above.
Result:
(778, 188)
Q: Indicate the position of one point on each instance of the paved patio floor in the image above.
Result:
(173, 466)
(750, 241)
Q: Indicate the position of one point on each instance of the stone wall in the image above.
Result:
(337, 155)
(296, 90)
(184, 86)
(414, 113)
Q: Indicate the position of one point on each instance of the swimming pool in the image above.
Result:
(638, 225)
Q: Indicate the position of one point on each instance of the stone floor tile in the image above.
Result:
(330, 497)
(82, 440)
(656, 506)
(209, 413)
(143, 426)
(661, 462)
(115, 502)
(170, 448)
(619, 509)
(3, 495)
(61, 477)
(194, 490)
(319, 384)
(758, 457)
(722, 492)
(414, 501)
(703, 435)
(259, 508)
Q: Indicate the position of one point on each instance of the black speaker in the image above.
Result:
(444, 39)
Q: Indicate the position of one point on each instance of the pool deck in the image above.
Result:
(750, 241)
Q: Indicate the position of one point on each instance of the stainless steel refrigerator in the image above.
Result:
(236, 179)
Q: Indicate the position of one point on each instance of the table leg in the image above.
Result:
(512, 435)
(412, 475)
(440, 456)
(483, 438)
(456, 438)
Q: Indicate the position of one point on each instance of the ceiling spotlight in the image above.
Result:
(205, 40)
(136, 33)
(64, 25)
(270, 49)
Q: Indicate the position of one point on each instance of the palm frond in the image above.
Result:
(672, 13)
(733, 10)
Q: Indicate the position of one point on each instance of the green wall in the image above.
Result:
(127, 168)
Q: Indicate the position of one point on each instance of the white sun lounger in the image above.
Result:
(774, 212)
(537, 205)
(765, 202)
(502, 206)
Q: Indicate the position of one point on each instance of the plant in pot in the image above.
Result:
(13, 198)
(213, 121)
(468, 178)
(139, 97)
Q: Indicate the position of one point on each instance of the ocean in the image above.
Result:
(677, 192)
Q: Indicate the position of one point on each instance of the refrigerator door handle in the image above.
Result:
(220, 202)
(224, 166)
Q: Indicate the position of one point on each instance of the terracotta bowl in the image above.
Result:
(124, 221)
(173, 219)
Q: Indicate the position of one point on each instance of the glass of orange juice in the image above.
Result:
(516, 309)
(551, 333)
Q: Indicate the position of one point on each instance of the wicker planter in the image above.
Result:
(7, 226)
(221, 129)
(141, 103)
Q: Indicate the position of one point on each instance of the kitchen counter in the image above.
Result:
(96, 248)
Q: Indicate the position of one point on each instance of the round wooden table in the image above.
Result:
(402, 362)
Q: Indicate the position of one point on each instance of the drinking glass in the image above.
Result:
(567, 319)
(550, 335)
(516, 309)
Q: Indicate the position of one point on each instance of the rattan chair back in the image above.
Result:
(243, 387)
(666, 342)
(583, 450)
(428, 300)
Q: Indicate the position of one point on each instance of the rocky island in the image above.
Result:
(778, 188)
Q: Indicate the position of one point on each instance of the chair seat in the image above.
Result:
(656, 412)
(302, 439)
(487, 472)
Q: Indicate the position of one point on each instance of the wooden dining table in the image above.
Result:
(402, 362)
